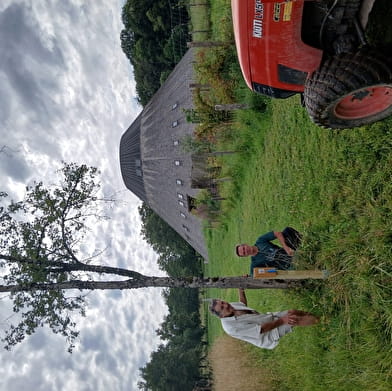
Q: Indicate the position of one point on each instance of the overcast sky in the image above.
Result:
(66, 93)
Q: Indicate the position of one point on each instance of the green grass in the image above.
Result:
(336, 188)
(200, 26)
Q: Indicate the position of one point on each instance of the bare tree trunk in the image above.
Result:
(285, 279)
(162, 282)
(60, 267)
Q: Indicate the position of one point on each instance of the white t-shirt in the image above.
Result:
(247, 327)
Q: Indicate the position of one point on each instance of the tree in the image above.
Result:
(170, 368)
(181, 329)
(154, 40)
(41, 256)
(163, 238)
(39, 237)
(176, 257)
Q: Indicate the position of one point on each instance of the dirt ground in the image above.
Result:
(235, 370)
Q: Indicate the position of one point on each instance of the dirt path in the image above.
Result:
(234, 369)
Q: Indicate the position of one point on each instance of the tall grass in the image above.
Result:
(336, 188)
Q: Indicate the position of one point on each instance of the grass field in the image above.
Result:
(336, 188)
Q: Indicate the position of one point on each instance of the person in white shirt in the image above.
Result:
(262, 330)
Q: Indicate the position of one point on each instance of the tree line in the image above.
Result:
(175, 365)
(154, 40)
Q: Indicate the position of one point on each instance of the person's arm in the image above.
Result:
(271, 325)
(286, 248)
(267, 237)
(242, 296)
(289, 318)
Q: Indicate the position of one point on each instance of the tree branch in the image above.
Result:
(69, 267)
(62, 223)
(42, 236)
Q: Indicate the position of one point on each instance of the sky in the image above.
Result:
(67, 94)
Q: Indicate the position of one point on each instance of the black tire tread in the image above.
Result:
(340, 75)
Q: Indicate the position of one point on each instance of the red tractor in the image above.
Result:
(318, 49)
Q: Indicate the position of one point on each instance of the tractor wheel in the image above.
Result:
(339, 22)
(349, 90)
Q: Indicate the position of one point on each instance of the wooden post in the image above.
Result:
(225, 179)
(201, 87)
(207, 44)
(273, 274)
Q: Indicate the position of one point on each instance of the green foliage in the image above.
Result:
(170, 368)
(204, 198)
(163, 238)
(213, 67)
(174, 366)
(38, 244)
(176, 256)
(154, 40)
(217, 68)
(192, 145)
(200, 21)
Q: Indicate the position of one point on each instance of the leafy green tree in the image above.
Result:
(171, 368)
(37, 244)
(163, 238)
(176, 256)
(127, 38)
(159, 15)
(181, 265)
(154, 40)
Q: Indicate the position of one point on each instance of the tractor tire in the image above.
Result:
(350, 90)
(340, 22)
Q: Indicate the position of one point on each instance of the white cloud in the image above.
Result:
(70, 96)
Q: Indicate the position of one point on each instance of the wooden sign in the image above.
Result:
(272, 273)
